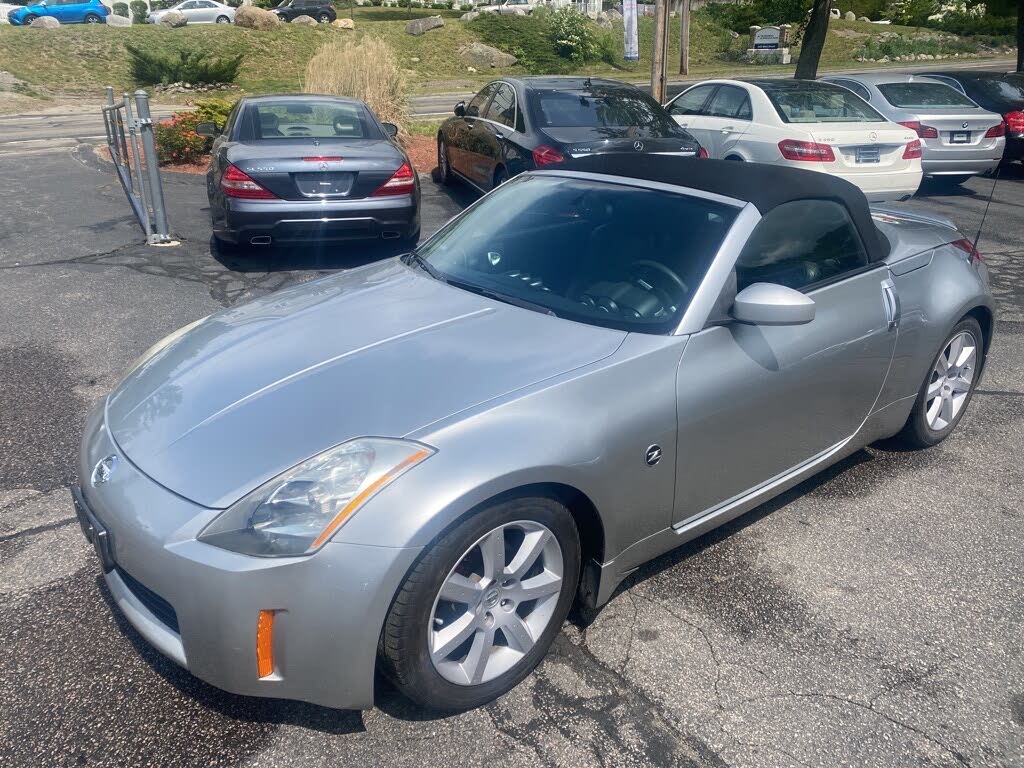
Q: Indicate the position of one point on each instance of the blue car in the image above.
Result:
(64, 11)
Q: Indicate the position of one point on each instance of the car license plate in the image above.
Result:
(94, 531)
(325, 183)
(867, 155)
(960, 137)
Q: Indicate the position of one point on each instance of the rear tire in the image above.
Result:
(92, 18)
(943, 398)
(483, 662)
(323, 18)
(223, 20)
(500, 177)
(444, 171)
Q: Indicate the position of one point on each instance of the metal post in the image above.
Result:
(145, 121)
(106, 115)
(137, 167)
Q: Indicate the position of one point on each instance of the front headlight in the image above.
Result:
(299, 510)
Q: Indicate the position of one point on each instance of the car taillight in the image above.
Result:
(794, 149)
(996, 131)
(1014, 121)
(402, 182)
(702, 153)
(967, 247)
(913, 150)
(237, 183)
(545, 155)
(923, 131)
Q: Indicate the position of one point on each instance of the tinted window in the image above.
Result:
(314, 119)
(690, 102)
(600, 108)
(503, 106)
(478, 102)
(854, 86)
(1009, 89)
(730, 101)
(924, 95)
(819, 103)
(598, 253)
(799, 244)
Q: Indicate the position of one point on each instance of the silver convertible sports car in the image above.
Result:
(419, 465)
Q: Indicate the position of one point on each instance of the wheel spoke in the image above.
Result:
(956, 346)
(933, 412)
(446, 640)
(459, 589)
(517, 633)
(935, 388)
(966, 356)
(493, 550)
(946, 411)
(961, 384)
(533, 544)
(536, 587)
(479, 653)
(942, 365)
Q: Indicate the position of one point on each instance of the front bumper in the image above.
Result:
(198, 604)
(300, 221)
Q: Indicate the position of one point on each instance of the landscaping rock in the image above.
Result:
(603, 20)
(469, 16)
(304, 21)
(850, 16)
(173, 19)
(613, 14)
(251, 17)
(113, 20)
(343, 24)
(418, 27)
(483, 56)
(45, 22)
(864, 18)
(471, 70)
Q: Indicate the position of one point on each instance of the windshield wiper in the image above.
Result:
(426, 266)
(513, 300)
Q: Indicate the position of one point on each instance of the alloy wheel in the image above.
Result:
(442, 160)
(951, 381)
(495, 603)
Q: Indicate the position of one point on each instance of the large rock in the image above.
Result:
(864, 18)
(304, 21)
(173, 19)
(483, 56)
(603, 20)
(45, 22)
(113, 20)
(251, 17)
(469, 15)
(613, 14)
(344, 24)
(850, 16)
(418, 27)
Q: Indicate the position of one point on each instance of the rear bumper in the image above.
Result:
(199, 605)
(885, 187)
(299, 221)
(961, 161)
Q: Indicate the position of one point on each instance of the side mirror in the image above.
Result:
(460, 109)
(771, 304)
(390, 129)
(207, 129)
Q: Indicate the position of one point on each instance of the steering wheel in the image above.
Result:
(642, 264)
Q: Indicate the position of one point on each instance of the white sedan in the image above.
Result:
(804, 124)
(199, 12)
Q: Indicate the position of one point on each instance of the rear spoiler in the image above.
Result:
(884, 211)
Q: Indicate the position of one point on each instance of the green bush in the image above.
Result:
(120, 9)
(139, 11)
(214, 111)
(188, 66)
(966, 24)
(547, 42)
(573, 36)
(177, 140)
(740, 17)
(905, 46)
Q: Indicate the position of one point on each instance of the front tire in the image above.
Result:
(444, 171)
(323, 18)
(480, 609)
(223, 20)
(92, 18)
(948, 387)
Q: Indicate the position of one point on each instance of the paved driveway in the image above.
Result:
(873, 616)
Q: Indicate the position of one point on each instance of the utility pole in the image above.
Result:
(659, 56)
(1020, 35)
(684, 37)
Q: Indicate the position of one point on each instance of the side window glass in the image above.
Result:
(799, 244)
(730, 101)
(950, 82)
(852, 85)
(478, 102)
(690, 102)
(503, 106)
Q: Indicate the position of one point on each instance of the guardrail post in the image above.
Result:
(161, 231)
(137, 180)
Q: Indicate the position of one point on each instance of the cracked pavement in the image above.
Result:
(872, 616)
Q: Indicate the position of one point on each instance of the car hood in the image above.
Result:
(383, 350)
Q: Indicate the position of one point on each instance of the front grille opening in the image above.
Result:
(155, 604)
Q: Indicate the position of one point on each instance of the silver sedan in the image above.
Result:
(958, 138)
(199, 12)
(419, 465)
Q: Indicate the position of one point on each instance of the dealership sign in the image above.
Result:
(767, 38)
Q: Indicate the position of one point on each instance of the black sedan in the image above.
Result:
(1000, 92)
(520, 124)
(321, 10)
(302, 168)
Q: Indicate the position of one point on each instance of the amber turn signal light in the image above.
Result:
(265, 644)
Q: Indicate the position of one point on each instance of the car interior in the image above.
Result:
(274, 121)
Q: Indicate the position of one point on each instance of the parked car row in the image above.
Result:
(198, 12)
(64, 11)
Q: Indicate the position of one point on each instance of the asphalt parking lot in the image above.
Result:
(873, 616)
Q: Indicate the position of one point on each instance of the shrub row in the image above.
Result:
(186, 65)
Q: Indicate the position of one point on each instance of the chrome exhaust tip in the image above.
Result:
(260, 240)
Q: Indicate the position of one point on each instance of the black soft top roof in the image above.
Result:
(764, 186)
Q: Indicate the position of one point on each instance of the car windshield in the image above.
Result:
(928, 95)
(598, 108)
(819, 103)
(294, 119)
(1009, 88)
(605, 254)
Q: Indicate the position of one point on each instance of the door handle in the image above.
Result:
(893, 309)
(728, 128)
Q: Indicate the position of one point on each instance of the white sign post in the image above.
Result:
(771, 43)
(630, 44)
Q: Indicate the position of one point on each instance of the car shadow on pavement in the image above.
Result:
(314, 256)
(935, 187)
(336, 722)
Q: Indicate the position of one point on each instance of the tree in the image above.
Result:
(1020, 35)
(814, 40)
